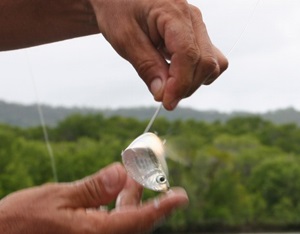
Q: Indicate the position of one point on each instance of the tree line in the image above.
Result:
(243, 174)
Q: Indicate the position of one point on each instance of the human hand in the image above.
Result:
(73, 207)
(146, 33)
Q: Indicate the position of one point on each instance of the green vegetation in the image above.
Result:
(243, 174)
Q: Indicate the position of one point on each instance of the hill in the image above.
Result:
(27, 115)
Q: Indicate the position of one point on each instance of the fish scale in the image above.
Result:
(144, 160)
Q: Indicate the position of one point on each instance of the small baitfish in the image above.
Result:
(144, 160)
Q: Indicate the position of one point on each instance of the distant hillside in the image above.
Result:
(27, 115)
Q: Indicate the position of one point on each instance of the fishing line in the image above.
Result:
(41, 115)
(42, 120)
(153, 118)
(244, 29)
(248, 21)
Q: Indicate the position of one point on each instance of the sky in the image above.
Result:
(261, 39)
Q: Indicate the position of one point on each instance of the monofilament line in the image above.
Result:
(229, 52)
(244, 28)
(153, 118)
(42, 120)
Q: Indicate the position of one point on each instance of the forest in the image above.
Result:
(240, 175)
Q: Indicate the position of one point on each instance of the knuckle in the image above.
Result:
(222, 60)
(195, 11)
(210, 65)
(224, 65)
(192, 54)
(196, 17)
(177, 8)
(92, 191)
(183, 5)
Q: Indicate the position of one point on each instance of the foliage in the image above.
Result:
(239, 174)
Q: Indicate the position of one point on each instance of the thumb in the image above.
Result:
(150, 65)
(146, 59)
(98, 189)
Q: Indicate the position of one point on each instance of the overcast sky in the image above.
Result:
(263, 74)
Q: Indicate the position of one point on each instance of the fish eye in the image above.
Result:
(160, 179)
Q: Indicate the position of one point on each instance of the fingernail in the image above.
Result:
(156, 86)
(119, 201)
(170, 192)
(183, 202)
(111, 179)
(156, 203)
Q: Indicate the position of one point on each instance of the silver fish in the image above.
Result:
(144, 160)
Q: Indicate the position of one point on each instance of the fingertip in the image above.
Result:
(173, 93)
(174, 198)
(179, 195)
(171, 105)
(174, 103)
(148, 215)
(164, 206)
(156, 88)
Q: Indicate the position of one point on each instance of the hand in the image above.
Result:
(72, 207)
(146, 33)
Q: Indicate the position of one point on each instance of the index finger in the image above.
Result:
(130, 195)
(144, 218)
(180, 41)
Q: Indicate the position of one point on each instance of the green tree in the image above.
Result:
(276, 181)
